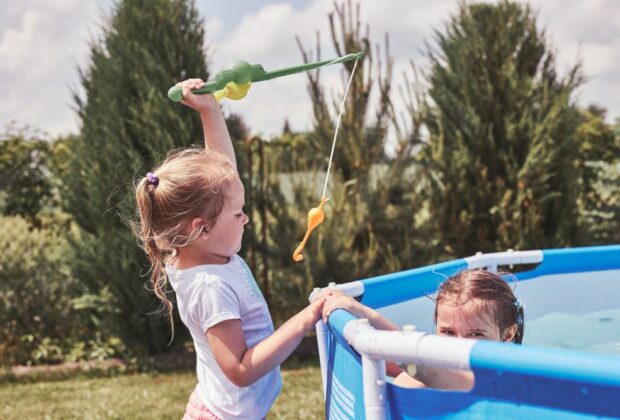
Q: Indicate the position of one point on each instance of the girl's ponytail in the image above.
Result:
(145, 191)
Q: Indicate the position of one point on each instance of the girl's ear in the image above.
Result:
(198, 225)
(509, 333)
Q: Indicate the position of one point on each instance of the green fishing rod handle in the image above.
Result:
(175, 93)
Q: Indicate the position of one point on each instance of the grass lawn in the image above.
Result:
(146, 396)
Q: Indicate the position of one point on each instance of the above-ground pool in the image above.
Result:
(567, 367)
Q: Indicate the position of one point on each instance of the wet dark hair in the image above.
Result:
(495, 295)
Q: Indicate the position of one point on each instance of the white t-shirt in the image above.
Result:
(207, 295)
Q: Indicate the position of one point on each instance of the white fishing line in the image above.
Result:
(344, 99)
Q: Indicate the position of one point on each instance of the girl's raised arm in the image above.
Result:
(216, 133)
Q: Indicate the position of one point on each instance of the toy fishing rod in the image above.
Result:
(234, 83)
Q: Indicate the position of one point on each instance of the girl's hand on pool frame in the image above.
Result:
(357, 309)
(342, 301)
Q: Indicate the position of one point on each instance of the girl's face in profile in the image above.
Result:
(224, 238)
(467, 320)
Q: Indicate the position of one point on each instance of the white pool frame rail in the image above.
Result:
(492, 260)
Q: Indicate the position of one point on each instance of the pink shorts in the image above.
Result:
(196, 410)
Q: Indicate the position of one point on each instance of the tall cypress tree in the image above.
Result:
(128, 124)
(499, 166)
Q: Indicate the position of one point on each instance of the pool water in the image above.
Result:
(596, 331)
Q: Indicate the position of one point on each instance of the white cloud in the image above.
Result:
(213, 28)
(587, 31)
(268, 37)
(43, 42)
(40, 53)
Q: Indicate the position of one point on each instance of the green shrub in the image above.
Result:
(39, 319)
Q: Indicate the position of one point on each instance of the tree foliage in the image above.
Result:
(503, 163)
(369, 226)
(495, 154)
(39, 323)
(372, 194)
(25, 185)
(599, 173)
(128, 124)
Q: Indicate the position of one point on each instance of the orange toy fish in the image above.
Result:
(315, 218)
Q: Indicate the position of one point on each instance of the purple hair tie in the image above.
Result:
(153, 180)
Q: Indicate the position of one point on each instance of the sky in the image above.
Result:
(44, 43)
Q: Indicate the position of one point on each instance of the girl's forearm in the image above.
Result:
(379, 321)
(406, 381)
(359, 310)
(272, 351)
(216, 135)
